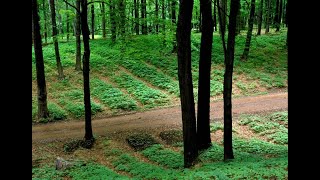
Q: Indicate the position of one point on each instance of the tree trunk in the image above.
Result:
(260, 18)
(249, 33)
(92, 21)
(45, 22)
(136, 16)
(55, 38)
(223, 9)
(60, 25)
(68, 24)
(113, 21)
(203, 119)
(173, 20)
(122, 9)
(214, 15)
(280, 15)
(239, 25)
(41, 80)
(144, 16)
(78, 39)
(86, 68)
(227, 84)
(157, 16)
(163, 16)
(185, 82)
(276, 17)
(286, 15)
(103, 20)
(268, 9)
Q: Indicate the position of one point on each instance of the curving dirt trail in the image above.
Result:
(158, 118)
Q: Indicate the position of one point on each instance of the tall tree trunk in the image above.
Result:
(157, 16)
(92, 21)
(103, 20)
(41, 80)
(113, 21)
(286, 15)
(173, 20)
(136, 16)
(239, 25)
(122, 10)
(144, 27)
(223, 9)
(260, 17)
(86, 69)
(45, 22)
(203, 119)
(268, 9)
(55, 38)
(185, 82)
(249, 33)
(60, 25)
(78, 39)
(68, 23)
(280, 15)
(163, 16)
(276, 17)
(227, 84)
(214, 15)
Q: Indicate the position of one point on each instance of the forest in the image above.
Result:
(159, 89)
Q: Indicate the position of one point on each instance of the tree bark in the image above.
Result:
(215, 15)
(122, 10)
(45, 33)
(136, 16)
(163, 16)
(245, 53)
(268, 9)
(92, 21)
(203, 119)
(173, 20)
(103, 20)
(86, 69)
(227, 84)
(185, 82)
(144, 27)
(157, 15)
(223, 9)
(41, 80)
(55, 39)
(113, 21)
(260, 18)
(68, 24)
(78, 39)
(276, 17)
(280, 15)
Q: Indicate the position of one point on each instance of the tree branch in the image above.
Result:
(78, 10)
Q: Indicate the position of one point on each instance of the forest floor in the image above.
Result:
(162, 118)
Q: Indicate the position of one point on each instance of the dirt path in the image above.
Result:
(159, 118)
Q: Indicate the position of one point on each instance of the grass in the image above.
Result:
(255, 158)
(154, 68)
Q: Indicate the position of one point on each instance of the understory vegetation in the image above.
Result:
(141, 73)
(264, 155)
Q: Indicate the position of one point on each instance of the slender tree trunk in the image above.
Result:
(103, 20)
(163, 16)
(55, 38)
(268, 9)
(286, 15)
(227, 84)
(223, 9)
(68, 23)
(45, 22)
(185, 82)
(113, 21)
(239, 25)
(78, 39)
(260, 18)
(122, 9)
(86, 69)
(60, 25)
(92, 21)
(144, 27)
(41, 80)
(215, 15)
(136, 16)
(157, 16)
(173, 20)
(203, 119)
(276, 17)
(280, 15)
(245, 53)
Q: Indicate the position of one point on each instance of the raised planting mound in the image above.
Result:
(74, 144)
(140, 141)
